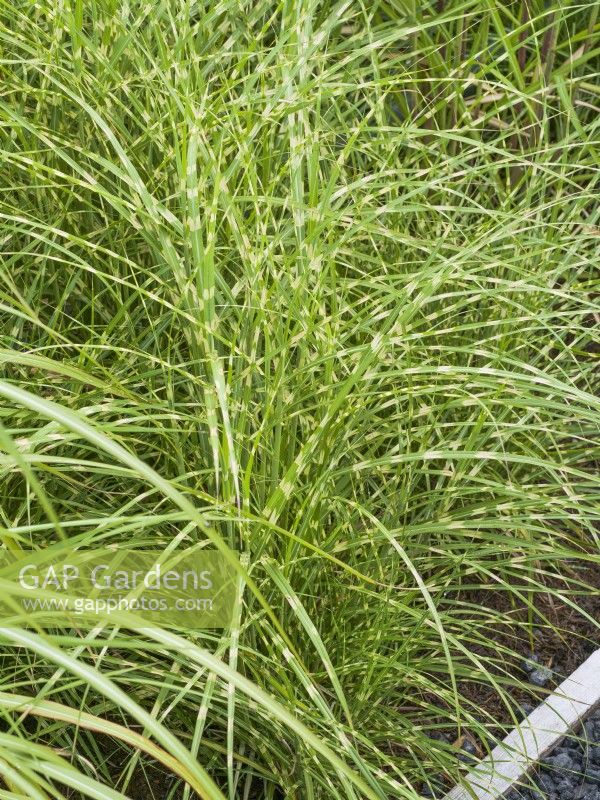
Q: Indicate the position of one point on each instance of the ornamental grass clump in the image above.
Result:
(316, 283)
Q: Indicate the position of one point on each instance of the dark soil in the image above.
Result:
(562, 639)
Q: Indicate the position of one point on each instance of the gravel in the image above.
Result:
(570, 772)
(541, 676)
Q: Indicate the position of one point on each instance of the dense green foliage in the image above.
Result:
(316, 281)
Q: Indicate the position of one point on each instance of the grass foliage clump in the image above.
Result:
(318, 282)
